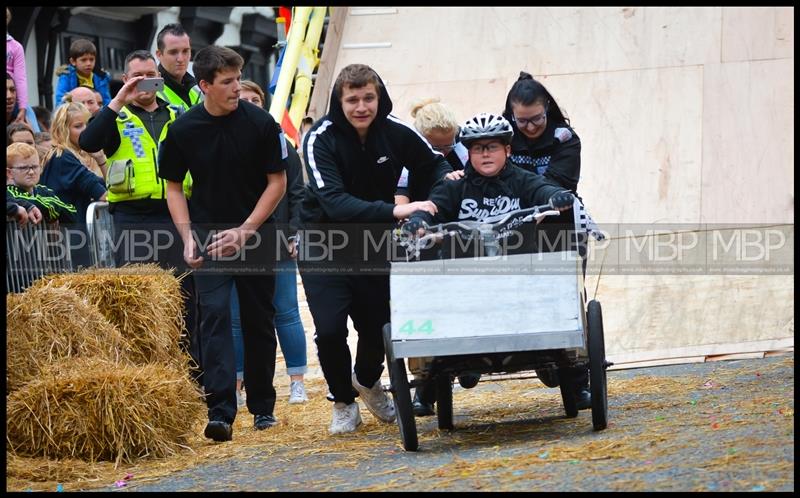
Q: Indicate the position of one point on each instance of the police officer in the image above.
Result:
(174, 52)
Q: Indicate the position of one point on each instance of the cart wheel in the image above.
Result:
(401, 394)
(444, 401)
(597, 366)
(567, 386)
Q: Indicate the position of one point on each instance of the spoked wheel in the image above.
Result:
(597, 366)
(401, 394)
(567, 384)
(444, 401)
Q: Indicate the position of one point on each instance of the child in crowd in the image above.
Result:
(22, 175)
(80, 72)
(19, 132)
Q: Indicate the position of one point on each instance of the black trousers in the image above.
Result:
(216, 338)
(331, 299)
(151, 237)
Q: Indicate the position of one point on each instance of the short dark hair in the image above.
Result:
(80, 47)
(15, 127)
(43, 115)
(41, 136)
(174, 29)
(138, 54)
(357, 76)
(211, 59)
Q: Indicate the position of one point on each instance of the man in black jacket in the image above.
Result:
(354, 156)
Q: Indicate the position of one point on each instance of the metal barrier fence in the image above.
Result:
(100, 227)
(33, 251)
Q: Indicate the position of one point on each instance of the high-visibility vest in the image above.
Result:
(168, 94)
(137, 145)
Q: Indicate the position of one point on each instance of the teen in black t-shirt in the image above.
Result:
(236, 155)
(229, 158)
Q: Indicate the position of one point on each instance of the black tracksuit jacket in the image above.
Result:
(353, 182)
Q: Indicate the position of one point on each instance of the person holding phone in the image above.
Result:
(132, 128)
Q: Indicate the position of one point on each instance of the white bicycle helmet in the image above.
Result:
(486, 125)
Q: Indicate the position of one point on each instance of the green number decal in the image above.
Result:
(425, 328)
(407, 328)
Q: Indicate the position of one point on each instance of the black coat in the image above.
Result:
(353, 182)
(480, 198)
(556, 154)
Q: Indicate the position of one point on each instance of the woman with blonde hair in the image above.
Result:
(65, 168)
(288, 325)
(438, 124)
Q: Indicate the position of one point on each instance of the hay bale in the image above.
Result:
(49, 323)
(143, 301)
(94, 410)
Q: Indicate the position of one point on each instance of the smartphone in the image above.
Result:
(150, 85)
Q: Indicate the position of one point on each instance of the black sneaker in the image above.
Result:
(468, 381)
(218, 431)
(583, 399)
(261, 422)
(421, 408)
(548, 376)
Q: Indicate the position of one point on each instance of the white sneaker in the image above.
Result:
(241, 398)
(297, 392)
(346, 418)
(378, 403)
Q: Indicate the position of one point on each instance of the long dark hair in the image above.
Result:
(528, 91)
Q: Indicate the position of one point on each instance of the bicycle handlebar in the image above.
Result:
(489, 231)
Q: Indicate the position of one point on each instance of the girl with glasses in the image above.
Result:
(545, 143)
(543, 140)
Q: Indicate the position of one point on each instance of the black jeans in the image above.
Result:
(331, 298)
(258, 333)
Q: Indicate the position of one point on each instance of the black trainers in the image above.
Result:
(468, 381)
(218, 431)
(261, 422)
(548, 376)
(421, 408)
(583, 399)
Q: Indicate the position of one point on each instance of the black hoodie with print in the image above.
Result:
(354, 182)
(481, 198)
(489, 199)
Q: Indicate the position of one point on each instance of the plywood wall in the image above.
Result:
(685, 113)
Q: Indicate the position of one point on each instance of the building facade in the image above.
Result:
(46, 34)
